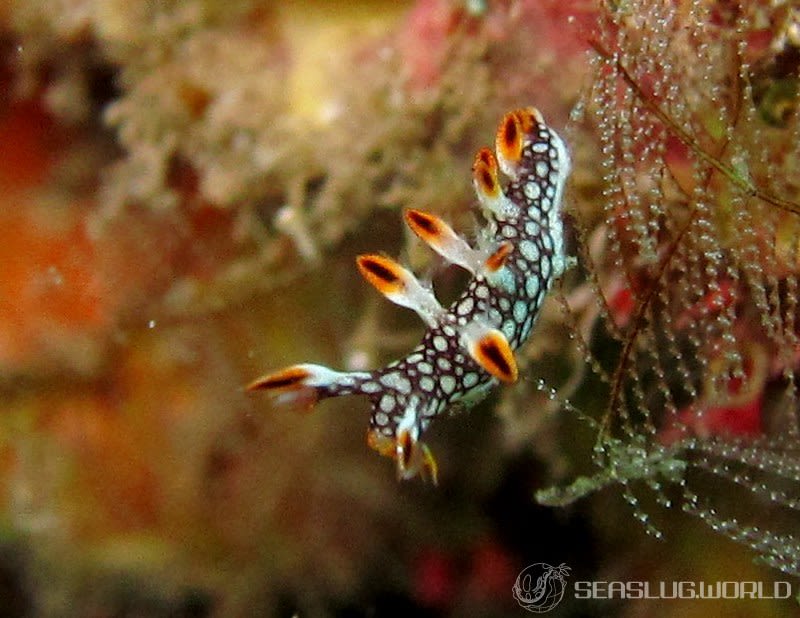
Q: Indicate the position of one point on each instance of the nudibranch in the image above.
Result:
(468, 347)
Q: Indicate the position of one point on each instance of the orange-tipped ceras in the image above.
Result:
(468, 347)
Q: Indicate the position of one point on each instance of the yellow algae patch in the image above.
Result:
(321, 35)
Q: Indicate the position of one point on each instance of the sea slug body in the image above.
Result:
(468, 347)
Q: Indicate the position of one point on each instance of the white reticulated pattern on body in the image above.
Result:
(469, 347)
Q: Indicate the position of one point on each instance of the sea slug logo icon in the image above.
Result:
(540, 587)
